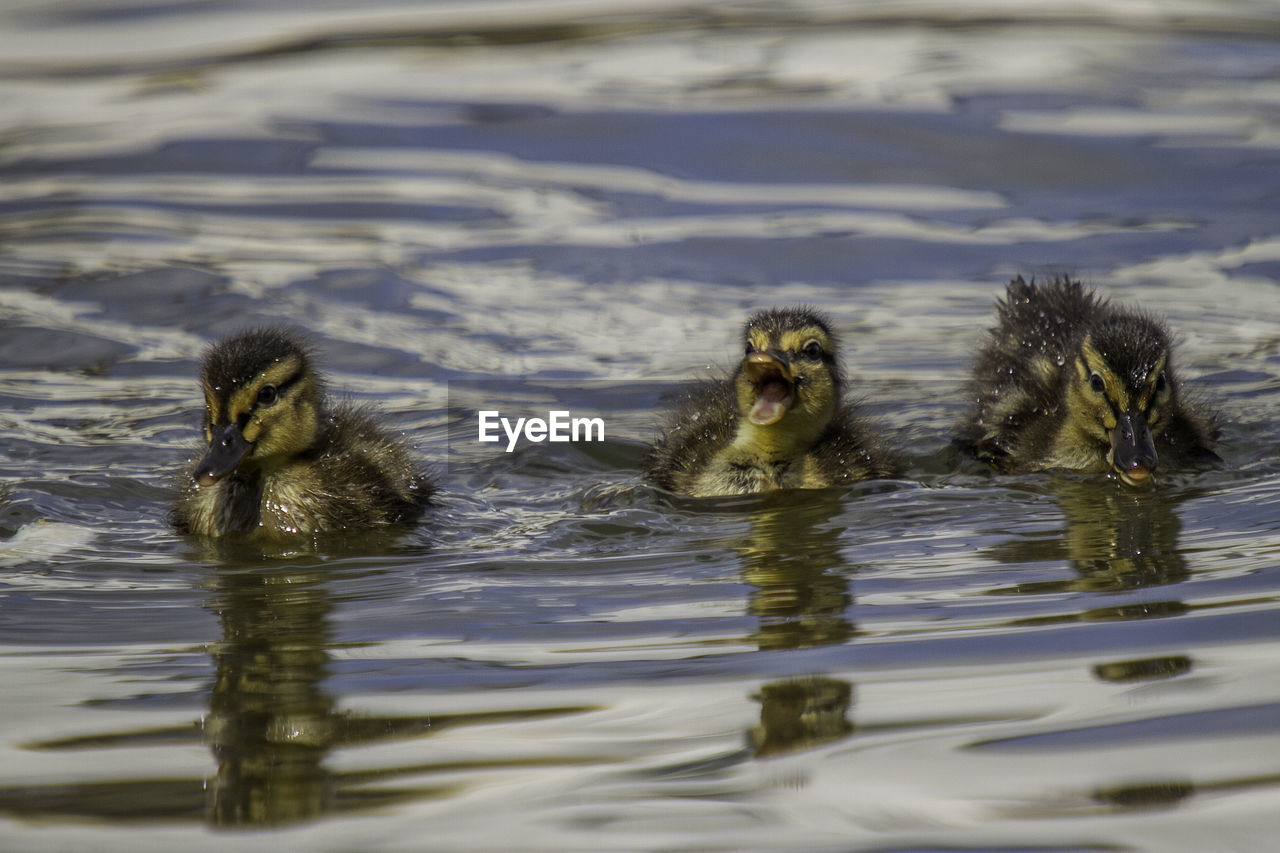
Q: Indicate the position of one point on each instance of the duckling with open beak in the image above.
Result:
(778, 422)
(774, 390)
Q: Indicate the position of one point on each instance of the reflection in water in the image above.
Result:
(801, 713)
(1145, 669)
(1145, 795)
(801, 596)
(793, 560)
(270, 724)
(1115, 540)
(1118, 539)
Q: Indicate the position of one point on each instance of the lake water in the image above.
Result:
(518, 205)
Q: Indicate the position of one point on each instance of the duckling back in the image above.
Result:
(1017, 382)
(358, 476)
(701, 425)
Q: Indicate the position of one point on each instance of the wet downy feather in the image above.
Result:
(280, 460)
(1067, 380)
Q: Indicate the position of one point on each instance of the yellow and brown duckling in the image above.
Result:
(1068, 380)
(778, 422)
(281, 462)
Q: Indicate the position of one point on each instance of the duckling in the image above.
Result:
(281, 462)
(777, 422)
(1068, 380)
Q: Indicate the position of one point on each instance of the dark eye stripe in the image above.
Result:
(283, 387)
(1159, 387)
(281, 390)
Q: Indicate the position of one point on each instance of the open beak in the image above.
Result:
(1133, 455)
(226, 450)
(774, 388)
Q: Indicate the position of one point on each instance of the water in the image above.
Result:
(499, 205)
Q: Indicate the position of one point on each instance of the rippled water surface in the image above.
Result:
(516, 206)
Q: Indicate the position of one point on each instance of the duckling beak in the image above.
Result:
(775, 390)
(1133, 454)
(225, 452)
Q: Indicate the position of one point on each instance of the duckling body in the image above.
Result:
(1067, 380)
(281, 462)
(778, 422)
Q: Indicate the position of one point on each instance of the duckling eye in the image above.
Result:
(267, 395)
(1097, 384)
(813, 349)
(1161, 383)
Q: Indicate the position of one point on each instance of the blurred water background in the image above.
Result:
(499, 205)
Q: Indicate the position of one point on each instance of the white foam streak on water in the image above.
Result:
(503, 171)
(1118, 122)
(36, 543)
(550, 210)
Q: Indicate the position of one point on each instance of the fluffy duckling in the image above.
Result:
(1069, 381)
(777, 423)
(281, 462)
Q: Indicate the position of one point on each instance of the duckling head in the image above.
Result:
(262, 403)
(1121, 390)
(789, 381)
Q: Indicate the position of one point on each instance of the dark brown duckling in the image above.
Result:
(281, 461)
(1067, 380)
(778, 422)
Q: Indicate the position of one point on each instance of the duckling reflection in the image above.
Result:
(777, 423)
(1145, 796)
(801, 713)
(792, 559)
(1068, 380)
(801, 599)
(282, 463)
(270, 723)
(1121, 540)
(1114, 541)
(1143, 669)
